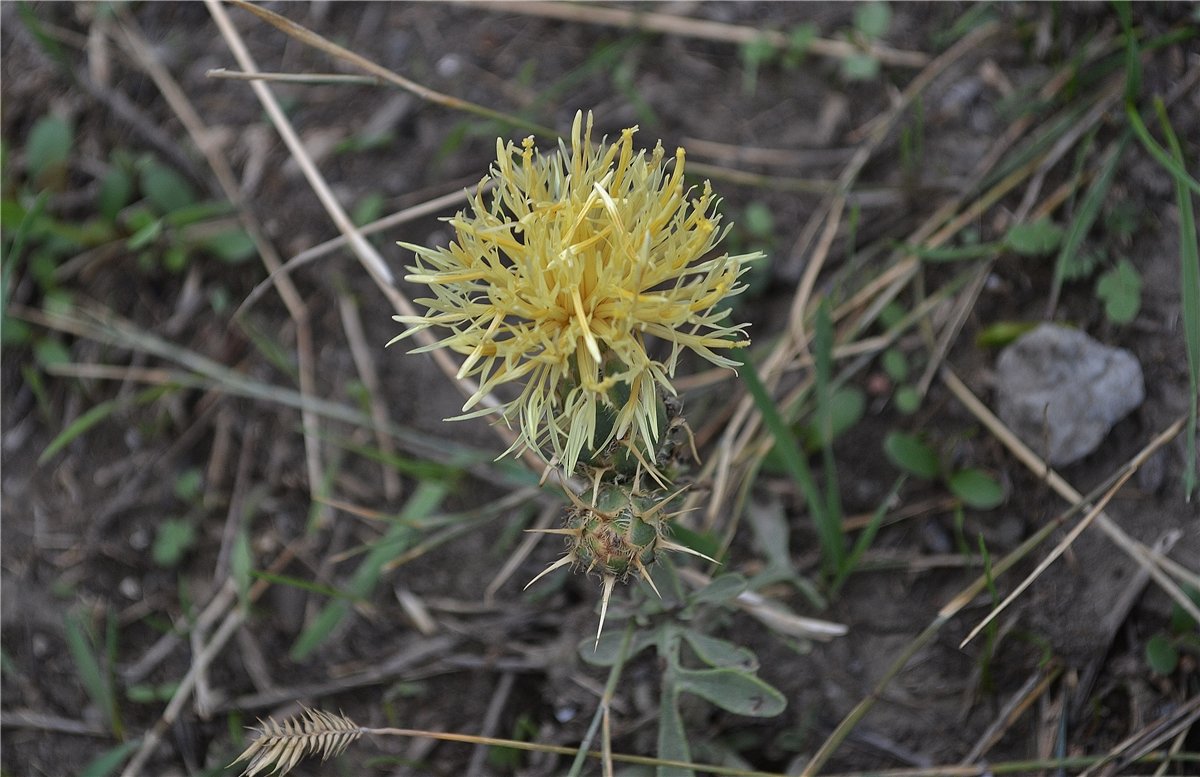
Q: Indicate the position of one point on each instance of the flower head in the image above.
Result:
(560, 274)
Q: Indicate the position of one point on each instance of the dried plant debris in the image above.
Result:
(280, 746)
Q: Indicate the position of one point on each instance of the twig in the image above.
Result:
(436, 205)
(202, 137)
(491, 721)
(1018, 703)
(703, 29)
(368, 257)
(294, 78)
(1064, 489)
(310, 38)
(365, 365)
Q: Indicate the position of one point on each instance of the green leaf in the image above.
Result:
(758, 220)
(860, 67)
(48, 147)
(116, 189)
(738, 692)
(1161, 655)
(701, 542)
(175, 258)
(174, 537)
(672, 740)
(14, 331)
(910, 454)
(95, 680)
(1189, 298)
(197, 212)
(232, 247)
(1182, 620)
(1002, 333)
(976, 489)
(241, 565)
(895, 364)
(754, 54)
(944, 254)
(145, 693)
(1133, 62)
(398, 538)
(892, 314)
(1121, 290)
(718, 653)
(368, 209)
(145, 235)
(846, 408)
(720, 590)
(301, 584)
(1073, 263)
(757, 51)
(608, 649)
(1173, 164)
(78, 427)
(107, 762)
(872, 19)
(51, 353)
(188, 484)
(800, 39)
(829, 530)
(166, 189)
(1036, 238)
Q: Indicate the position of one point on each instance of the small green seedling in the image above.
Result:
(972, 487)
(1182, 633)
(871, 22)
(1120, 288)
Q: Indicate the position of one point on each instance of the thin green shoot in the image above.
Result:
(610, 689)
(398, 537)
(823, 377)
(94, 416)
(1133, 61)
(301, 584)
(96, 680)
(1173, 166)
(1189, 291)
(107, 762)
(1085, 217)
(993, 627)
(863, 543)
(829, 530)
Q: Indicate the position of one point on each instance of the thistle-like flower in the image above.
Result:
(559, 275)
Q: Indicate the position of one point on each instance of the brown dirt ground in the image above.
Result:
(76, 530)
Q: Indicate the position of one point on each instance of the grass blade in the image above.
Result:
(828, 533)
(863, 543)
(1089, 210)
(78, 427)
(1174, 167)
(823, 369)
(106, 763)
(1189, 291)
(95, 680)
(397, 538)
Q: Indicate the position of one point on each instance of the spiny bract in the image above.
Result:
(616, 532)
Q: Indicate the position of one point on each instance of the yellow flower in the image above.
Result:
(559, 276)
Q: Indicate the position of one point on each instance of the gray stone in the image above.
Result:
(1060, 391)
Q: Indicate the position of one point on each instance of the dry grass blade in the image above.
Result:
(703, 29)
(283, 745)
(310, 38)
